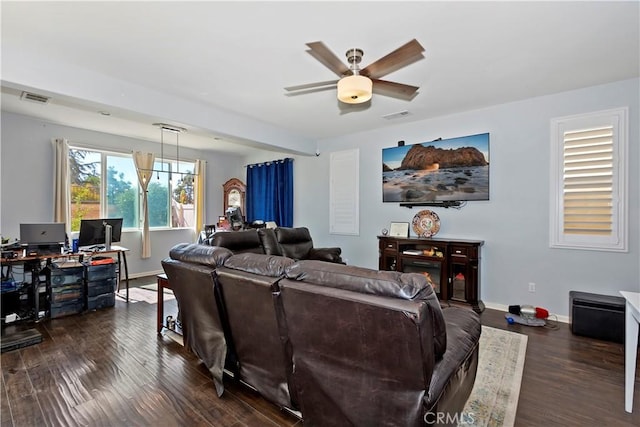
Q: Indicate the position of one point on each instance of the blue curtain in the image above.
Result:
(270, 192)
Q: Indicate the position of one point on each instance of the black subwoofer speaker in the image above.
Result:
(597, 316)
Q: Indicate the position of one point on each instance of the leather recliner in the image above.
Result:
(229, 317)
(374, 347)
(296, 243)
(245, 285)
(190, 269)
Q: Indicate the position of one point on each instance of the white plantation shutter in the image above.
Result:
(588, 209)
(588, 182)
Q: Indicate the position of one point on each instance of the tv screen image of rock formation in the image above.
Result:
(455, 169)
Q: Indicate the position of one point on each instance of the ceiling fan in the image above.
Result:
(356, 86)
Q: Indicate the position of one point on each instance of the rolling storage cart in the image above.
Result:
(66, 294)
(101, 285)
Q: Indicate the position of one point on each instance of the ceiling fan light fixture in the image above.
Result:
(355, 89)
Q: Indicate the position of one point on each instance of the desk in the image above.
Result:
(33, 261)
(632, 320)
(31, 266)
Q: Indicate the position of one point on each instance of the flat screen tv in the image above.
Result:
(444, 170)
(92, 231)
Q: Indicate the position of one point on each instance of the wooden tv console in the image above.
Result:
(453, 265)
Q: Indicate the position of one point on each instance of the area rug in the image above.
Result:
(494, 398)
(148, 293)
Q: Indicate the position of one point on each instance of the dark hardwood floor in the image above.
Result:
(570, 380)
(110, 368)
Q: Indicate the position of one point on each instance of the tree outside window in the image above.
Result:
(170, 194)
(179, 208)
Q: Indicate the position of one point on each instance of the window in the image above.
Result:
(589, 181)
(171, 195)
(105, 185)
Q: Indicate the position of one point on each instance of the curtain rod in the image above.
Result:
(288, 159)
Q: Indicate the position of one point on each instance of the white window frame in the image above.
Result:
(617, 241)
(103, 173)
(104, 153)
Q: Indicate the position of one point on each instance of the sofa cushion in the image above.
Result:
(200, 254)
(409, 286)
(265, 265)
(269, 241)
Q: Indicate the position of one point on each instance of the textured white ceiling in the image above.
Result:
(237, 57)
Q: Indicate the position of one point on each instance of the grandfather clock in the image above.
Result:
(234, 194)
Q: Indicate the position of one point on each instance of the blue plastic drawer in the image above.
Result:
(67, 276)
(66, 308)
(99, 287)
(101, 272)
(101, 301)
(67, 293)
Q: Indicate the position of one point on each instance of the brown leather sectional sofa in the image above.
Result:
(293, 243)
(342, 345)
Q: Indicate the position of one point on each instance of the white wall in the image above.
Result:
(26, 158)
(514, 224)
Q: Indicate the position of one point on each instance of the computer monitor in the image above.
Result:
(51, 233)
(92, 231)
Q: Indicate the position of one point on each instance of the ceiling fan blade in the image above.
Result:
(311, 90)
(401, 57)
(322, 53)
(311, 85)
(395, 90)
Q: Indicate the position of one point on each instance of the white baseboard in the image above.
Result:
(505, 308)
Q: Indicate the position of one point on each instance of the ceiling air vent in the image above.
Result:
(397, 115)
(34, 97)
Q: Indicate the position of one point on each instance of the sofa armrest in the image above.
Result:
(326, 254)
(211, 256)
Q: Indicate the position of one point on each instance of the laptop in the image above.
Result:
(43, 235)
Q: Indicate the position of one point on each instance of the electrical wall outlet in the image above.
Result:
(532, 287)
